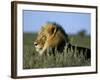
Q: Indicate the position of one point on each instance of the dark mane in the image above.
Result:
(59, 27)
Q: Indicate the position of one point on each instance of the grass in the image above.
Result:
(64, 59)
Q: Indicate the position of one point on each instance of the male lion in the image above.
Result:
(51, 36)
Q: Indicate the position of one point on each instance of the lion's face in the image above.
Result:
(40, 41)
(43, 35)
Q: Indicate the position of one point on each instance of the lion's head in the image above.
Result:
(51, 35)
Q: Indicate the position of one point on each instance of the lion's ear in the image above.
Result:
(53, 30)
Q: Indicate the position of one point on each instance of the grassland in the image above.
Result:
(31, 59)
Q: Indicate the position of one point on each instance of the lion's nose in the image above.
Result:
(35, 43)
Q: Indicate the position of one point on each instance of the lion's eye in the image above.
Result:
(35, 43)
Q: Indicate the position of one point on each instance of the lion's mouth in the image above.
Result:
(38, 48)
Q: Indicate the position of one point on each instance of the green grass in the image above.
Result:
(31, 59)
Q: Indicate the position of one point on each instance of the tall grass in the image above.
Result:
(68, 58)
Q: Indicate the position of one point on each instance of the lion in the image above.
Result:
(50, 36)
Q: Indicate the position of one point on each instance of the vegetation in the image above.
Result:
(31, 59)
